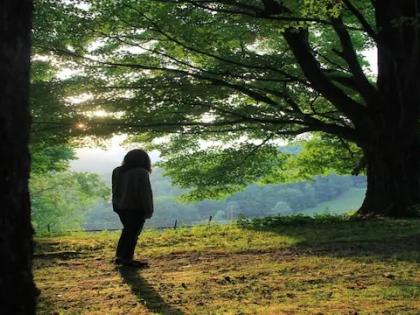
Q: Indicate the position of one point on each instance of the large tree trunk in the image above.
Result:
(393, 149)
(393, 182)
(17, 290)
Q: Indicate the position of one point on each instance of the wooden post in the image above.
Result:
(211, 217)
(176, 222)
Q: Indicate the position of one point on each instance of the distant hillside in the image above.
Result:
(334, 194)
(349, 200)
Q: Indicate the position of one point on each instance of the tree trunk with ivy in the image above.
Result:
(17, 289)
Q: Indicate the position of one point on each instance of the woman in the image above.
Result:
(132, 199)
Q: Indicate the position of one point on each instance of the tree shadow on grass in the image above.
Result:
(359, 240)
(145, 293)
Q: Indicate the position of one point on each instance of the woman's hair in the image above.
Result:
(137, 158)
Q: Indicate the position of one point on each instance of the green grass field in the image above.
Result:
(284, 266)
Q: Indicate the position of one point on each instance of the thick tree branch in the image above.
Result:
(272, 7)
(366, 89)
(347, 81)
(269, 12)
(308, 122)
(365, 24)
(263, 13)
(298, 42)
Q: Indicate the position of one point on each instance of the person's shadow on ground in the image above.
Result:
(145, 293)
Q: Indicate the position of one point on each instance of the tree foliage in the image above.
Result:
(59, 198)
(243, 75)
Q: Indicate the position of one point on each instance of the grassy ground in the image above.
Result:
(265, 267)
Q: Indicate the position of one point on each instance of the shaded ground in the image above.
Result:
(229, 270)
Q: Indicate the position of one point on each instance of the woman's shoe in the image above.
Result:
(139, 264)
(131, 263)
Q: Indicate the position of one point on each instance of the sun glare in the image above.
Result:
(81, 126)
(100, 113)
(78, 99)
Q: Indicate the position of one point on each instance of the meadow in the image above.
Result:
(280, 265)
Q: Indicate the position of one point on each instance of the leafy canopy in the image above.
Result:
(59, 198)
(217, 86)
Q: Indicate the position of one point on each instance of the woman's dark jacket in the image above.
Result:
(131, 191)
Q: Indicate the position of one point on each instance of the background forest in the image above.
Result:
(66, 200)
(331, 194)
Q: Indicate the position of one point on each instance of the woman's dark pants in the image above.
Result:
(132, 222)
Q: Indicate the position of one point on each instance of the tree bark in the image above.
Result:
(17, 289)
(393, 182)
(393, 147)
